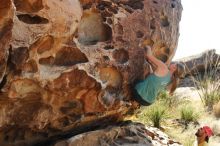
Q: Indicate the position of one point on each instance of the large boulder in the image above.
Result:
(67, 65)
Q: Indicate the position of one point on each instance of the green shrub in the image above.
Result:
(188, 114)
(208, 90)
(211, 98)
(156, 114)
(153, 114)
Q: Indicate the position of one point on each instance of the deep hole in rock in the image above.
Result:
(135, 4)
(87, 6)
(106, 58)
(108, 47)
(100, 7)
(105, 3)
(155, 2)
(162, 57)
(106, 14)
(26, 18)
(92, 29)
(109, 21)
(164, 21)
(121, 55)
(19, 55)
(139, 34)
(68, 56)
(152, 24)
(173, 5)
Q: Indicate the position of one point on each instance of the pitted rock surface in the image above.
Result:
(65, 64)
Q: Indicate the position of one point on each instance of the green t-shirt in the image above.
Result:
(149, 88)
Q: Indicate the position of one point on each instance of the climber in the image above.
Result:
(145, 91)
(203, 134)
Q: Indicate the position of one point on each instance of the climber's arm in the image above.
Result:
(150, 57)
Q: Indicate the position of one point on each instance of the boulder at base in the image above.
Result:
(131, 134)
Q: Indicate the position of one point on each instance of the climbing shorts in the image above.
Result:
(139, 99)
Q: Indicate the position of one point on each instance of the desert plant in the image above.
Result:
(208, 81)
(188, 114)
(211, 98)
(156, 114)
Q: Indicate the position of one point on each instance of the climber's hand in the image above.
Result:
(147, 51)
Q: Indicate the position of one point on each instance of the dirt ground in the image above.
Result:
(187, 136)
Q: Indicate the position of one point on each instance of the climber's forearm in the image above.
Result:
(154, 60)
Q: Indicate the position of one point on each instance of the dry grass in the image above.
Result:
(188, 114)
(208, 82)
(216, 110)
(153, 115)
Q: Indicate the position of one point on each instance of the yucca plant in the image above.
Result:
(156, 115)
(208, 82)
(188, 114)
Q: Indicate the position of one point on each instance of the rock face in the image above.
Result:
(132, 134)
(68, 64)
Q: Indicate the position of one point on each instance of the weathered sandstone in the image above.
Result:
(70, 64)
